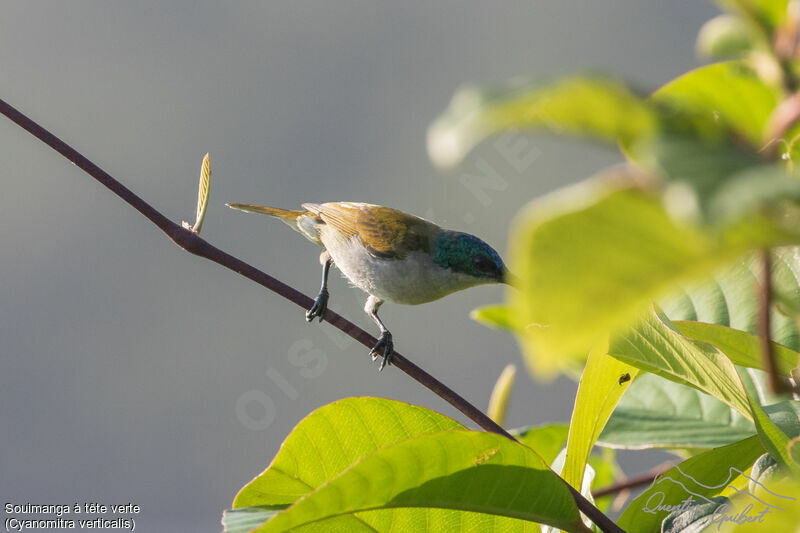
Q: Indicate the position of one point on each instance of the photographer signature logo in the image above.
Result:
(746, 508)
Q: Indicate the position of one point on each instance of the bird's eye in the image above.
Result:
(484, 264)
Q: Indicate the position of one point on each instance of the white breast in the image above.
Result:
(415, 279)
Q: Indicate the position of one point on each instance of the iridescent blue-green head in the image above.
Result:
(467, 254)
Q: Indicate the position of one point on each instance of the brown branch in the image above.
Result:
(192, 243)
(634, 481)
(776, 383)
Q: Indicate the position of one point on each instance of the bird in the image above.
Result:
(391, 255)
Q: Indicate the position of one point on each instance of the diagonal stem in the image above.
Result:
(634, 481)
(192, 243)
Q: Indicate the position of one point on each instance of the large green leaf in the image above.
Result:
(653, 345)
(715, 94)
(601, 386)
(742, 348)
(728, 297)
(715, 468)
(709, 146)
(592, 107)
(332, 438)
(465, 470)
(656, 413)
(592, 258)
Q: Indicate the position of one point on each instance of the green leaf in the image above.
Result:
(723, 37)
(324, 444)
(656, 413)
(493, 316)
(710, 145)
(498, 402)
(742, 348)
(467, 470)
(764, 472)
(593, 257)
(698, 172)
(697, 94)
(599, 390)
(770, 423)
(592, 107)
(695, 518)
(572, 291)
(785, 519)
(785, 415)
(758, 187)
(728, 297)
(331, 439)
(716, 468)
(546, 440)
(766, 15)
(654, 345)
(605, 109)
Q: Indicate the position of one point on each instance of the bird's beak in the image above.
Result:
(509, 279)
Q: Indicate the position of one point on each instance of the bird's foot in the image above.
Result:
(319, 307)
(384, 348)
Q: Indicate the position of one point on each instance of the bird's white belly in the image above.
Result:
(415, 279)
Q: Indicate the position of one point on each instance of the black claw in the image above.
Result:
(384, 348)
(319, 307)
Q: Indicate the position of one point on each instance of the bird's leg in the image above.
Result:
(385, 343)
(321, 303)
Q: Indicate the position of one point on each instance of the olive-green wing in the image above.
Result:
(384, 231)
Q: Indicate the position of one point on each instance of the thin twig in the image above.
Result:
(634, 481)
(192, 243)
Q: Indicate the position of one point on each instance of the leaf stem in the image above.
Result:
(194, 244)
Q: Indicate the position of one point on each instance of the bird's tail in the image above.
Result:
(301, 221)
(287, 215)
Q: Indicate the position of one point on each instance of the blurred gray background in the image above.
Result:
(132, 371)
